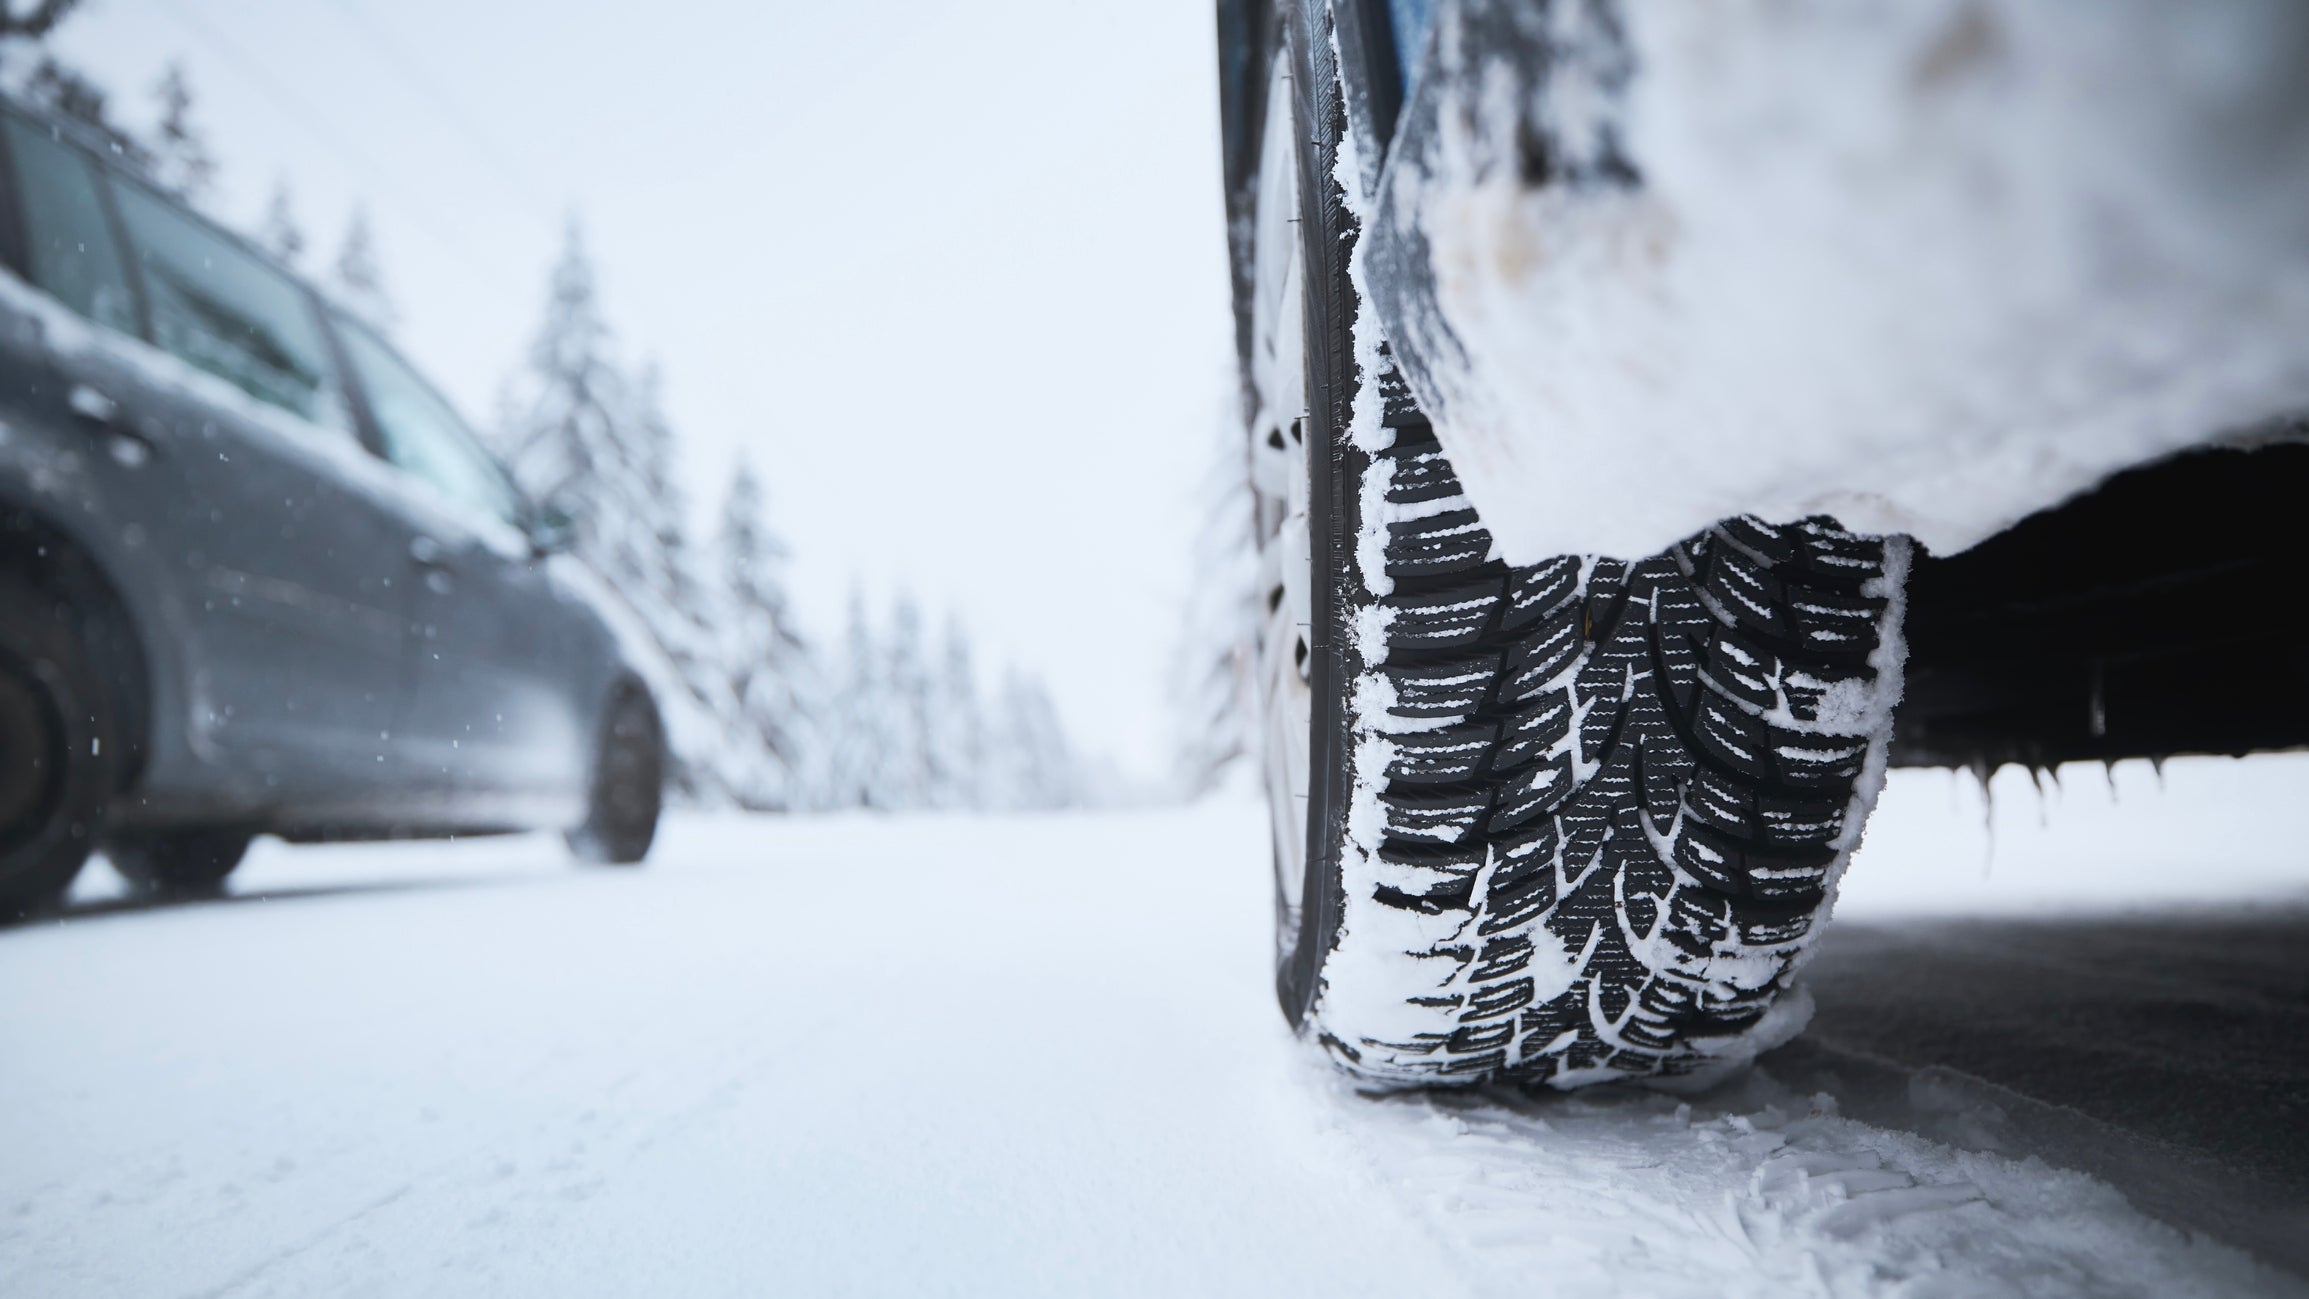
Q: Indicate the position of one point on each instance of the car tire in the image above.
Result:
(178, 863)
(1563, 822)
(57, 748)
(628, 786)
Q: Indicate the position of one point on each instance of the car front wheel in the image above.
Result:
(1555, 823)
(628, 788)
(57, 748)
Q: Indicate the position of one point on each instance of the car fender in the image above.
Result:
(1927, 268)
(60, 530)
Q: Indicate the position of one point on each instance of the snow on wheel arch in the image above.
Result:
(1974, 257)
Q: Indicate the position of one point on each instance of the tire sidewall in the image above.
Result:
(41, 644)
(614, 834)
(1334, 466)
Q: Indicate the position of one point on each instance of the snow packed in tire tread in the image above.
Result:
(1624, 762)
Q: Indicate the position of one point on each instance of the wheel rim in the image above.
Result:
(31, 756)
(1279, 484)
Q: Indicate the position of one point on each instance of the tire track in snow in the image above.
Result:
(1754, 1190)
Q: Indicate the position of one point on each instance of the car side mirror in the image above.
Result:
(551, 530)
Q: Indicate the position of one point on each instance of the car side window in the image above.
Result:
(69, 248)
(220, 308)
(422, 433)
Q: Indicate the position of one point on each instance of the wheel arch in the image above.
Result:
(40, 549)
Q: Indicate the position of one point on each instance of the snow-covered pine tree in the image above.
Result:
(56, 88)
(663, 509)
(659, 547)
(30, 70)
(854, 734)
(280, 234)
(768, 666)
(904, 770)
(1211, 674)
(1036, 761)
(958, 722)
(556, 414)
(579, 435)
(32, 22)
(357, 278)
(180, 158)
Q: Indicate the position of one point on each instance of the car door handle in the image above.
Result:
(92, 405)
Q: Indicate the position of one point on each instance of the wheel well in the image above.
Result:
(2157, 615)
(38, 551)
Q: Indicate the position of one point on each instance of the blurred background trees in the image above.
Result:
(759, 714)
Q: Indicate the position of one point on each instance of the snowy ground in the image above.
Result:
(1039, 1056)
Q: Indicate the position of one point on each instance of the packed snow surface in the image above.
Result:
(1924, 266)
(837, 1055)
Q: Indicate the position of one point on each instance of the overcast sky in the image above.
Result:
(952, 275)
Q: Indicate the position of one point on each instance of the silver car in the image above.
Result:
(256, 575)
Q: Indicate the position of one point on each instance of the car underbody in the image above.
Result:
(2157, 615)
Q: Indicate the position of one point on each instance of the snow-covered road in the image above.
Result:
(937, 1056)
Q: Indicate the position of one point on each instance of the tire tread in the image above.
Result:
(1624, 762)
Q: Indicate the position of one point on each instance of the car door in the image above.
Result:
(249, 438)
(490, 700)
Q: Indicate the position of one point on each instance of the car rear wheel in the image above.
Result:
(1556, 823)
(56, 748)
(628, 783)
(190, 863)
